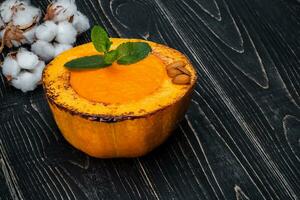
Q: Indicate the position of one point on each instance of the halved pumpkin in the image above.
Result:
(121, 110)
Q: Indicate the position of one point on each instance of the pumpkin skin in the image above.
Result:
(107, 130)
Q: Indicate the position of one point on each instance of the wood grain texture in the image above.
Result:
(239, 140)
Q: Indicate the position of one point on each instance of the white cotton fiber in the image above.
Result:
(43, 49)
(80, 22)
(6, 15)
(59, 48)
(29, 35)
(66, 33)
(46, 31)
(26, 81)
(27, 59)
(38, 70)
(64, 9)
(6, 10)
(10, 67)
(26, 17)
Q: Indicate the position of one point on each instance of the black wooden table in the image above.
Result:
(240, 138)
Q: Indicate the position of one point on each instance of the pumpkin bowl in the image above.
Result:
(118, 111)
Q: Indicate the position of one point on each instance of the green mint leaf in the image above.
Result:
(111, 56)
(88, 62)
(132, 52)
(100, 39)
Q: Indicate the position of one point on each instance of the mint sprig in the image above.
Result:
(125, 54)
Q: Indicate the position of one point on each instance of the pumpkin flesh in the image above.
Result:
(120, 83)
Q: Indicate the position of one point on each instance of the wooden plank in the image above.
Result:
(4, 188)
(239, 139)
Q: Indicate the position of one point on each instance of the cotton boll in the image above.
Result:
(27, 59)
(46, 31)
(29, 35)
(80, 22)
(7, 11)
(26, 81)
(26, 17)
(43, 49)
(61, 10)
(10, 67)
(66, 33)
(59, 48)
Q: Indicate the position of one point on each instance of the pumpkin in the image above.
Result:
(121, 110)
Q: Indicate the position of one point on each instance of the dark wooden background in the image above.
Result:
(240, 138)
